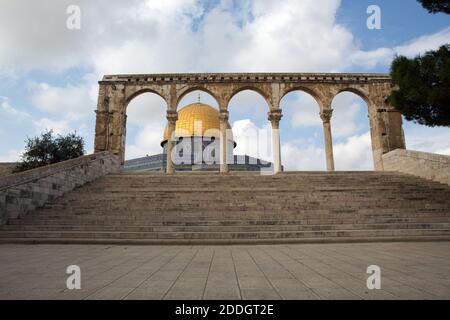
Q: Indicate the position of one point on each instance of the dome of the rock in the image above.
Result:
(196, 120)
(197, 146)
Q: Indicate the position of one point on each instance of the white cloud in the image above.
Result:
(424, 43)
(179, 35)
(58, 126)
(301, 110)
(280, 37)
(7, 108)
(70, 101)
(354, 154)
(443, 150)
(252, 140)
(146, 119)
(371, 59)
(347, 109)
(146, 142)
(117, 41)
(146, 109)
(11, 156)
(384, 56)
(34, 33)
(307, 158)
(248, 101)
(425, 139)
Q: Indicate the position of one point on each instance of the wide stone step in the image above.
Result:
(110, 241)
(267, 185)
(261, 198)
(261, 183)
(249, 203)
(196, 221)
(217, 221)
(240, 213)
(225, 235)
(250, 227)
(264, 187)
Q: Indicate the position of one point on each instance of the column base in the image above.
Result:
(224, 168)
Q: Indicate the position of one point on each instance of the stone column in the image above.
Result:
(101, 131)
(172, 117)
(102, 120)
(386, 132)
(274, 118)
(326, 118)
(223, 118)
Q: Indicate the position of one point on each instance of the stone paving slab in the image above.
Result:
(303, 271)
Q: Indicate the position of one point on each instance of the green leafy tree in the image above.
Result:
(47, 149)
(435, 6)
(423, 83)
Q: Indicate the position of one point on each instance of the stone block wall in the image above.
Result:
(7, 168)
(25, 191)
(431, 166)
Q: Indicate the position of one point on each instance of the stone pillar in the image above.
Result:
(110, 127)
(172, 117)
(274, 118)
(325, 115)
(386, 132)
(223, 118)
(101, 131)
(102, 121)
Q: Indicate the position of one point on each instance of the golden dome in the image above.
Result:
(197, 119)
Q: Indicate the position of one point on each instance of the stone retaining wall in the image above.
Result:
(25, 191)
(431, 166)
(7, 168)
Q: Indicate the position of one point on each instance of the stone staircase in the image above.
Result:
(209, 208)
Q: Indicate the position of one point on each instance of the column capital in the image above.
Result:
(275, 116)
(223, 118)
(172, 116)
(326, 115)
(223, 115)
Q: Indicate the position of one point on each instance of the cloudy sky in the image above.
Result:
(49, 73)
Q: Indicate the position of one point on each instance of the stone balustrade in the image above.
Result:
(431, 166)
(25, 191)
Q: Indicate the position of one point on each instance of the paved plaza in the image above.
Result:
(312, 271)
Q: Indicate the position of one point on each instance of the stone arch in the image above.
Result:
(300, 102)
(185, 91)
(355, 90)
(312, 92)
(137, 92)
(123, 114)
(351, 107)
(256, 98)
(259, 90)
(116, 91)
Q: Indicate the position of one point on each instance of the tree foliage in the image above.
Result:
(435, 6)
(423, 83)
(47, 149)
